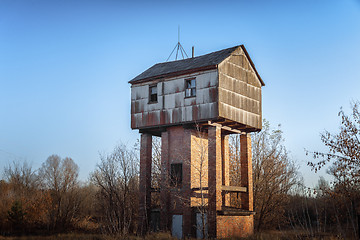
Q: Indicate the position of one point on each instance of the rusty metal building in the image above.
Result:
(193, 105)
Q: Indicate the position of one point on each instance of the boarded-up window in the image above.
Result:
(176, 174)
(153, 94)
(190, 90)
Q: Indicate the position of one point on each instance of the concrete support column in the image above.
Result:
(214, 177)
(145, 182)
(225, 168)
(186, 183)
(247, 199)
(165, 183)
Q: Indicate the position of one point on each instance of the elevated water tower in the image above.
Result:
(193, 105)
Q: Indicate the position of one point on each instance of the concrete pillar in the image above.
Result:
(247, 199)
(186, 183)
(214, 177)
(165, 215)
(225, 168)
(145, 182)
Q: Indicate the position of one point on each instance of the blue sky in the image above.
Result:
(64, 68)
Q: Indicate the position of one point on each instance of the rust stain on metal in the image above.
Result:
(178, 102)
(152, 119)
(143, 118)
(195, 113)
(137, 107)
(213, 94)
(163, 119)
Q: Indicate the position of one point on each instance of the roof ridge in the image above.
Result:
(200, 55)
(189, 65)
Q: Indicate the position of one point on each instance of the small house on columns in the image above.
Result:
(194, 105)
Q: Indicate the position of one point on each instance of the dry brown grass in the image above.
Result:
(59, 237)
(271, 235)
(74, 236)
(151, 236)
(290, 235)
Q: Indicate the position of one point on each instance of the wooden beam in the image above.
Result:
(227, 128)
(233, 189)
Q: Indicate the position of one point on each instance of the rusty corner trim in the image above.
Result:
(174, 74)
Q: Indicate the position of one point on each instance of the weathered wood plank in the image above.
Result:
(233, 189)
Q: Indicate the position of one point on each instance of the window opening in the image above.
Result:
(190, 88)
(176, 174)
(153, 94)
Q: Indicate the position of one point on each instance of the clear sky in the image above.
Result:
(65, 67)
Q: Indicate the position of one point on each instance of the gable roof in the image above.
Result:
(190, 65)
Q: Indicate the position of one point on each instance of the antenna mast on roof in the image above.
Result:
(178, 48)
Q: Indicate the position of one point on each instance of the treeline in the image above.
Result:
(282, 202)
(324, 211)
(51, 199)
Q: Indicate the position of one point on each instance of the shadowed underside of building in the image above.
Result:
(194, 105)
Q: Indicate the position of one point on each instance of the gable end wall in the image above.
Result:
(239, 91)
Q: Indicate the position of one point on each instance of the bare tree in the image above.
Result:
(59, 176)
(116, 176)
(199, 167)
(344, 159)
(344, 154)
(156, 162)
(22, 178)
(274, 174)
(24, 195)
(5, 204)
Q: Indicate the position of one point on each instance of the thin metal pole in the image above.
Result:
(171, 52)
(178, 48)
(184, 50)
(177, 51)
(182, 54)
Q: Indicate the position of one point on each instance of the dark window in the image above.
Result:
(190, 90)
(176, 174)
(153, 94)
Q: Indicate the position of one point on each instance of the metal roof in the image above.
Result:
(189, 65)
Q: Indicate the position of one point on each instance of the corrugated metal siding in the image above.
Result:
(172, 106)
(239, 91)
